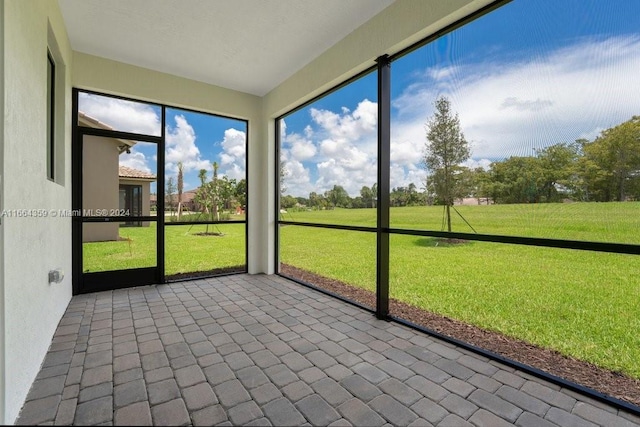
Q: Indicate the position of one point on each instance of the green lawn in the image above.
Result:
(602, 222)
(185, 250)
(584, 304)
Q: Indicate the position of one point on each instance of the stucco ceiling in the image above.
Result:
(246, 45)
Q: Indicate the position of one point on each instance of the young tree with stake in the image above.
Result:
(445, 149)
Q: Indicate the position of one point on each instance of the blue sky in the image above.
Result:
(528, 75)
(195, 139)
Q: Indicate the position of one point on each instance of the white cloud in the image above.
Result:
(402, 176)
(507, 109)
(348, 126)
(479, 163)
(181, 147)
(296, 174)
(526, 104)
(135, 160)
(334, 172)
(300, 148)
(308, 131)
(233, 155)
(406, 152)
(122, 115)
(336, 149)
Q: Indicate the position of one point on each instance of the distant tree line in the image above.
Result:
(603, 170)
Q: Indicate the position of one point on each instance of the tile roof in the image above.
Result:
(127, 172)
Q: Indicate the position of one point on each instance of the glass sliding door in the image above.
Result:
(131, 201)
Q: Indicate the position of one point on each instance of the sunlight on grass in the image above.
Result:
(189, 249)
(349, 256)
(599, 222)
(186, 251)
(583, 304)
(136, 249)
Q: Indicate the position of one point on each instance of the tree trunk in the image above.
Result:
(448, 218)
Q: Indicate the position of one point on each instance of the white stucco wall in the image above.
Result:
(100, 184)
(2, 334)
(32, 246)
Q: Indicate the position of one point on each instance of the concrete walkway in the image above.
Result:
(261, 350)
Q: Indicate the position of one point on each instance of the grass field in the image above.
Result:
(601, 222)
(584, 304)
(185, 250)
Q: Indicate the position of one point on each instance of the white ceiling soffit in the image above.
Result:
(246, 45)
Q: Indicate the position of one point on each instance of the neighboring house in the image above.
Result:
(108, 186)
(188, 201)
(134, 194)
(470, 201)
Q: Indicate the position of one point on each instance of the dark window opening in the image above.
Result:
(51, 97)
(130, 199)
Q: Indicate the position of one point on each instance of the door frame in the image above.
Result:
(103, 281)
(114, 279)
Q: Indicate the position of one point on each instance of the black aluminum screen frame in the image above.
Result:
(101, 281)
(383, 229)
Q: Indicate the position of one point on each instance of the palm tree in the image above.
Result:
(180, 188)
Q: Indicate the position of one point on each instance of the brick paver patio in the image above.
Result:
(261, 350)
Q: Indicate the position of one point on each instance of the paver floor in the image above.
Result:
(261, 350)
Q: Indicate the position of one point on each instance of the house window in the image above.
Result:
(51, 131)
(131, 203)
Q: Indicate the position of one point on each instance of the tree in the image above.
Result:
(287, 202)
(215, 193)
(201, 197)
(367, 196)
(171, 188)
(413, 197)
(461, 184)
(205, 197)
(481, 185)
(557, 163)
(611, 163)
(338, 196)
(516, 180)
(316, 200)
(240, 192)
(226, 192)
(282, 174)
(446, 148)
(180, 188)
(374, 193)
